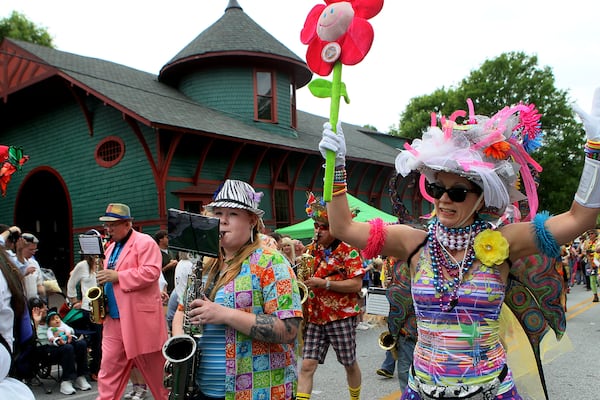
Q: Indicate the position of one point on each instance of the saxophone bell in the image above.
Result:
(387, 342)
(303, 291)
(179, 352)
(97, 304)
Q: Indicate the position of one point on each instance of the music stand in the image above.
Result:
(192, 232)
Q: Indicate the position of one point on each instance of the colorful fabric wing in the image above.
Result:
(401, 319)
(533, 294)
(11, 160)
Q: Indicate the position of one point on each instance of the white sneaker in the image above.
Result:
(363, 326)
(66, 387)
(140, 394)
(129, 394)
(82, 384)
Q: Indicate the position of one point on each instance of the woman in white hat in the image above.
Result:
(251, 311)
(459, 267)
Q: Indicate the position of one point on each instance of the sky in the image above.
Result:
(419, 46)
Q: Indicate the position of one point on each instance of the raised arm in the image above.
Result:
(586, 206)
(392, 240)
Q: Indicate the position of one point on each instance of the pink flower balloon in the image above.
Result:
(340, 31)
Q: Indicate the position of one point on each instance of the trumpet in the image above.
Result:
(97, 299)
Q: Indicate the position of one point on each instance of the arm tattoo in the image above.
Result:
(265, 329)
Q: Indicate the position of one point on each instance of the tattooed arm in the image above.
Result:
(265, 327)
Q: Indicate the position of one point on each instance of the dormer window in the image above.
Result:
(265, 101)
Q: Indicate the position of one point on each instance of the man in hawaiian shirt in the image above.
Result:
(332, 307)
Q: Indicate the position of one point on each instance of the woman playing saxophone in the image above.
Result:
(251, 302)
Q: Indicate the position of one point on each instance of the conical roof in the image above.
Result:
(233, 37)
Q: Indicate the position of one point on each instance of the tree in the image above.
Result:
(17, 26)
(507, 80)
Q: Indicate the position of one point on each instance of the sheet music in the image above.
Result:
(91, 245)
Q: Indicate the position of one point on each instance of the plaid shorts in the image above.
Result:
(340, 334)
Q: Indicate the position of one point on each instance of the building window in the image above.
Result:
(264, 103)
(193, 206)
(293, 104)
(110, 151)
(282, 208)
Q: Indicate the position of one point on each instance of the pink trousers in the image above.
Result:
(115, 368)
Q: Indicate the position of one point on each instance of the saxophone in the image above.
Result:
(304, 270)
(97, 299)
(182, 351)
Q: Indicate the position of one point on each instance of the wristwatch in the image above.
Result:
(327, 284)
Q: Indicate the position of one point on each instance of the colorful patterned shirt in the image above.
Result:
(337, 264)
(256, 370)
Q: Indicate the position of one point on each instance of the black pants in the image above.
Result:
(72, 358)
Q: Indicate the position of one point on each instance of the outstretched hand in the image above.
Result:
(334, 142)
(591, 121)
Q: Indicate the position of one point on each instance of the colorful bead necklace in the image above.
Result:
(439, 237)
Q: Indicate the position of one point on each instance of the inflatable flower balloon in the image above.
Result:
(11, 160)
(338, 31)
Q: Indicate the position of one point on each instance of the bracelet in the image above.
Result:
(327, 284)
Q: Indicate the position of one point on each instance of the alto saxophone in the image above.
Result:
(97, 299)
(304, 270)
(182, 351)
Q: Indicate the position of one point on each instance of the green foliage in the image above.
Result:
(17, 26)
(507, 80)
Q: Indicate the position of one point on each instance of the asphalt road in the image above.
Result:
(573, 375)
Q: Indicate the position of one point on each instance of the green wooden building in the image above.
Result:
(222, 107)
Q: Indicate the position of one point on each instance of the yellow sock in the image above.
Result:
(302, 396)
(354, 393)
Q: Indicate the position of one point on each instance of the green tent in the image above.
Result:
(305, 229)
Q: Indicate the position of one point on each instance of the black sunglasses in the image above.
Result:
(321, 226)
(456, 194)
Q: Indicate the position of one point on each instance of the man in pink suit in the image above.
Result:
(135, 327)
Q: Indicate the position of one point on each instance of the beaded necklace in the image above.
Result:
(440, 236)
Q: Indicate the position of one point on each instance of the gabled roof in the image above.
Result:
(235, 35)
(141, 96)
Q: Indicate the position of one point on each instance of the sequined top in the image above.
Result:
(461, 345)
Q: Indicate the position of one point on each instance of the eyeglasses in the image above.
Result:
(110, 225)
(30, 238)
(456, 194)
(321, 226)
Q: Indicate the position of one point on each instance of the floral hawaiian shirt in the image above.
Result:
(339, 262)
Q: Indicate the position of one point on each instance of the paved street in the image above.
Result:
(573, 375)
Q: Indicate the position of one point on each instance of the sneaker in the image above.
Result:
(140, 394)
(66, 387)
(363, 326)
(82, 384)
(385, 373)
(130, 394)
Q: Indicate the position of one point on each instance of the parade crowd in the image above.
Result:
(262, 312)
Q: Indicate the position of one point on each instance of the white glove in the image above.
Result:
(334, 142)
(591, 121)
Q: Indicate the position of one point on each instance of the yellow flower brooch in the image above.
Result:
(491, 248)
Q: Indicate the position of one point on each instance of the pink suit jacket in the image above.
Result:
(143, 322)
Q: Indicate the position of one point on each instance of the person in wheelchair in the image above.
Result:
(71, 357)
